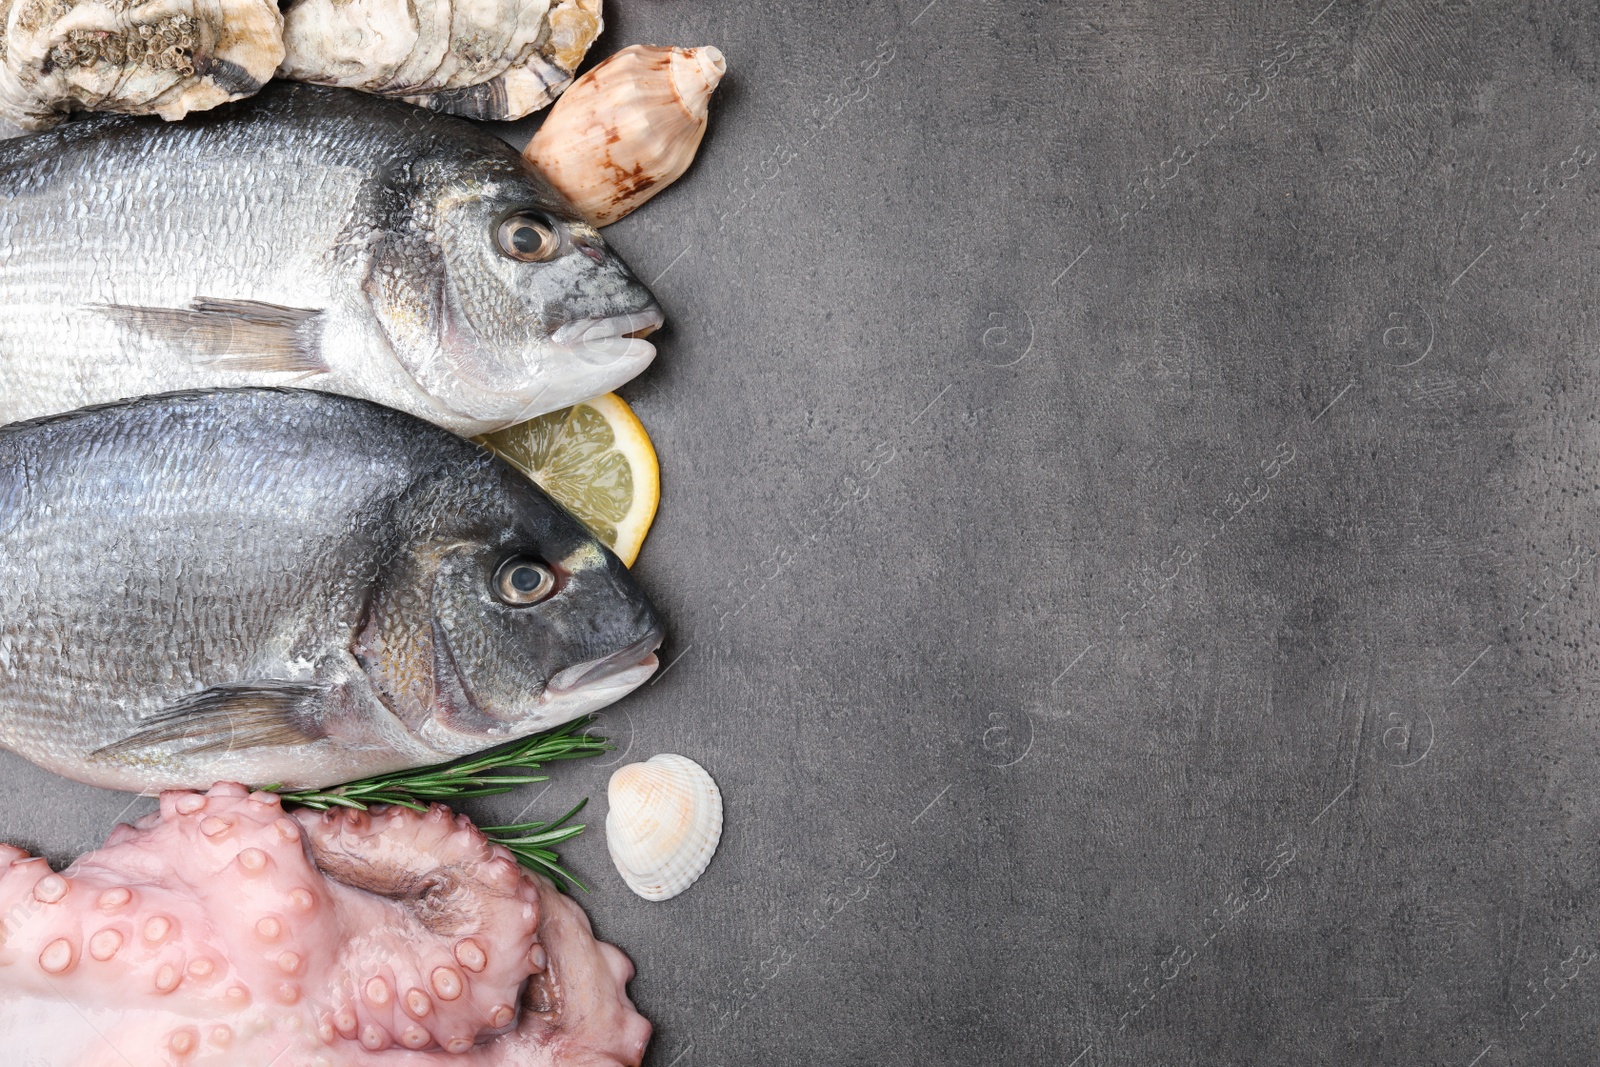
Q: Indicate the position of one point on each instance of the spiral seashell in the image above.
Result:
(664, 824)
(627, 129)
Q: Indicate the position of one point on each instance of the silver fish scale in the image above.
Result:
(136, 573)
(71, 245)
(129, 249)
(142, 562)
(318, 549)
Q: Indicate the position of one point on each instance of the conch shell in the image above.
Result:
(628, 129)
(485, 59)
(162, 57)
(664, 824)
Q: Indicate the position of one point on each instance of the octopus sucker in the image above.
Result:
(363, 941)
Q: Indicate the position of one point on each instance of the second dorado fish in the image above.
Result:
(287, 586)
(312, 237)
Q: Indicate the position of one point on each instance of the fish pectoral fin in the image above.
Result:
(228, 718)
(232, 335)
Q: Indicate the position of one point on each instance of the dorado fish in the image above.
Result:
(268, 585)
(312, 237)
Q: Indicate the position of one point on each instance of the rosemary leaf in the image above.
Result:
(472, 777)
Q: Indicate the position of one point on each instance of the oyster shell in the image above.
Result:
(485, 59)
(628, 128)
(163, 57)
(664, 824)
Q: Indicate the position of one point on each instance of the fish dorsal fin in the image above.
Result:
(232, 335)
(228, 718)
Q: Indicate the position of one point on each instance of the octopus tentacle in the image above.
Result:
(221, 929)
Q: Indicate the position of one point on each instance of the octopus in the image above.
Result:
(224, 930)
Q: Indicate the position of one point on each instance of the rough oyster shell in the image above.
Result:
(664, 824)
(486, 59)
(164, 57)
(628, 128)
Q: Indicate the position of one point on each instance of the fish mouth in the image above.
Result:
(588, 693)
(612, 338)
(624, 669)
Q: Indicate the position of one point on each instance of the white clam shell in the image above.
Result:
(664, 824)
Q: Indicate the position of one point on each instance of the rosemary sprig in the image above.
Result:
(530, 842)
(478, 776)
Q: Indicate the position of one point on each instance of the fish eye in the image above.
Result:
(522, 581)
(528, 238)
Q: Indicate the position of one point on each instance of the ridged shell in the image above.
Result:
(664, 824)
(628, 128)
(158, 57)
(486, 59)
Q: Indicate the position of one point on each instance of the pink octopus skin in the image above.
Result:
(223, 932)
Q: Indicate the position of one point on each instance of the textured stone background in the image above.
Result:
(1128, 538)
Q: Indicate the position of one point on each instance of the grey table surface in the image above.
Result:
(1127, 535)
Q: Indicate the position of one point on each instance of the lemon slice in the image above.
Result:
(596, 460)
